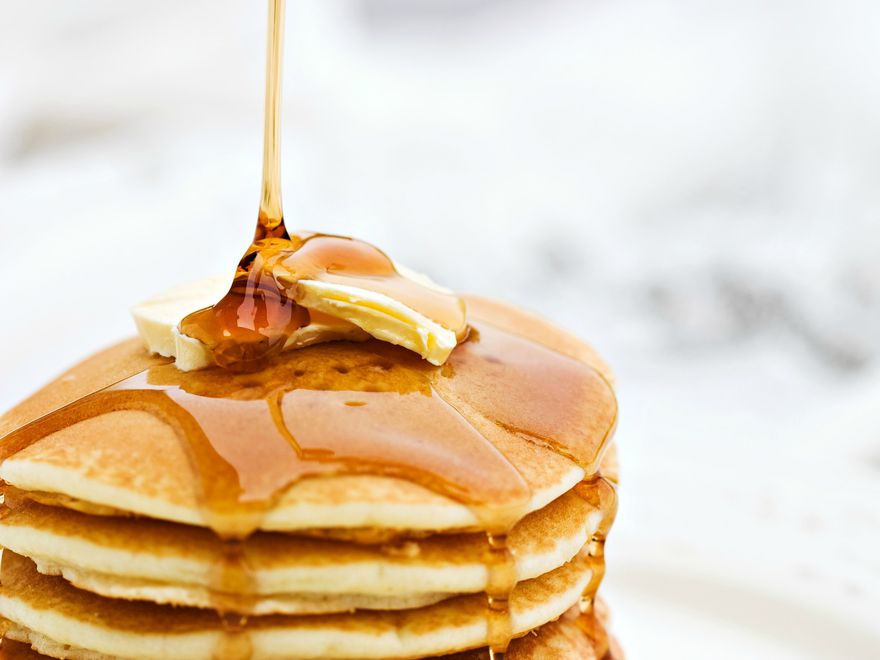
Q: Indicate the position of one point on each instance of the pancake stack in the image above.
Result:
(350, 501)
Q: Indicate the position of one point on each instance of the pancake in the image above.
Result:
(347, 501)
(576, 635)
(44, 607)
(567, 638)
(171, 563)
(87, 465)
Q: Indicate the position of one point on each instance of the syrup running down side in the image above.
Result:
(601, 493)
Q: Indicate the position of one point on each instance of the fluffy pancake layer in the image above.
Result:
(171, 563)
(574, 636)
(52, 608)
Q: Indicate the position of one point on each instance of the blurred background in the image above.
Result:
(694, 187)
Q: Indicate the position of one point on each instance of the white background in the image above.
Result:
(692, 186)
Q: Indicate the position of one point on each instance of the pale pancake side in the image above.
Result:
(164, 593)
(92, 551)
(52, 608)
(563, 639)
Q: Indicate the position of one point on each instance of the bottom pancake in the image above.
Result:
(49, 611)
(574, 636)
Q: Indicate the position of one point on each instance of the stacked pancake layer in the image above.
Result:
(122, 541)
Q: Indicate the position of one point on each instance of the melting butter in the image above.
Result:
(337, 311)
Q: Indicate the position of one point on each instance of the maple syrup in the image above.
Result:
(255, 318)
(601, 493)
(267, 419)
(591, 624)
(501, 569)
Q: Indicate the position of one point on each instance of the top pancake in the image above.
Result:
(131, 461)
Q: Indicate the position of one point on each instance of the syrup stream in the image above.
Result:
(270, 222)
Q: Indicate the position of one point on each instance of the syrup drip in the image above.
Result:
(254, 320)
(233, 587)
(594, 630)
(552, 417)
(602, 494)
(235, 643)
(500, 584)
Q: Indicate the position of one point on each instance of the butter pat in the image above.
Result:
(338, 312)
(157, 322)
(380, 316)
(157, 318)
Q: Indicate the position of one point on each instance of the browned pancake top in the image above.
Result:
(509, 412)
